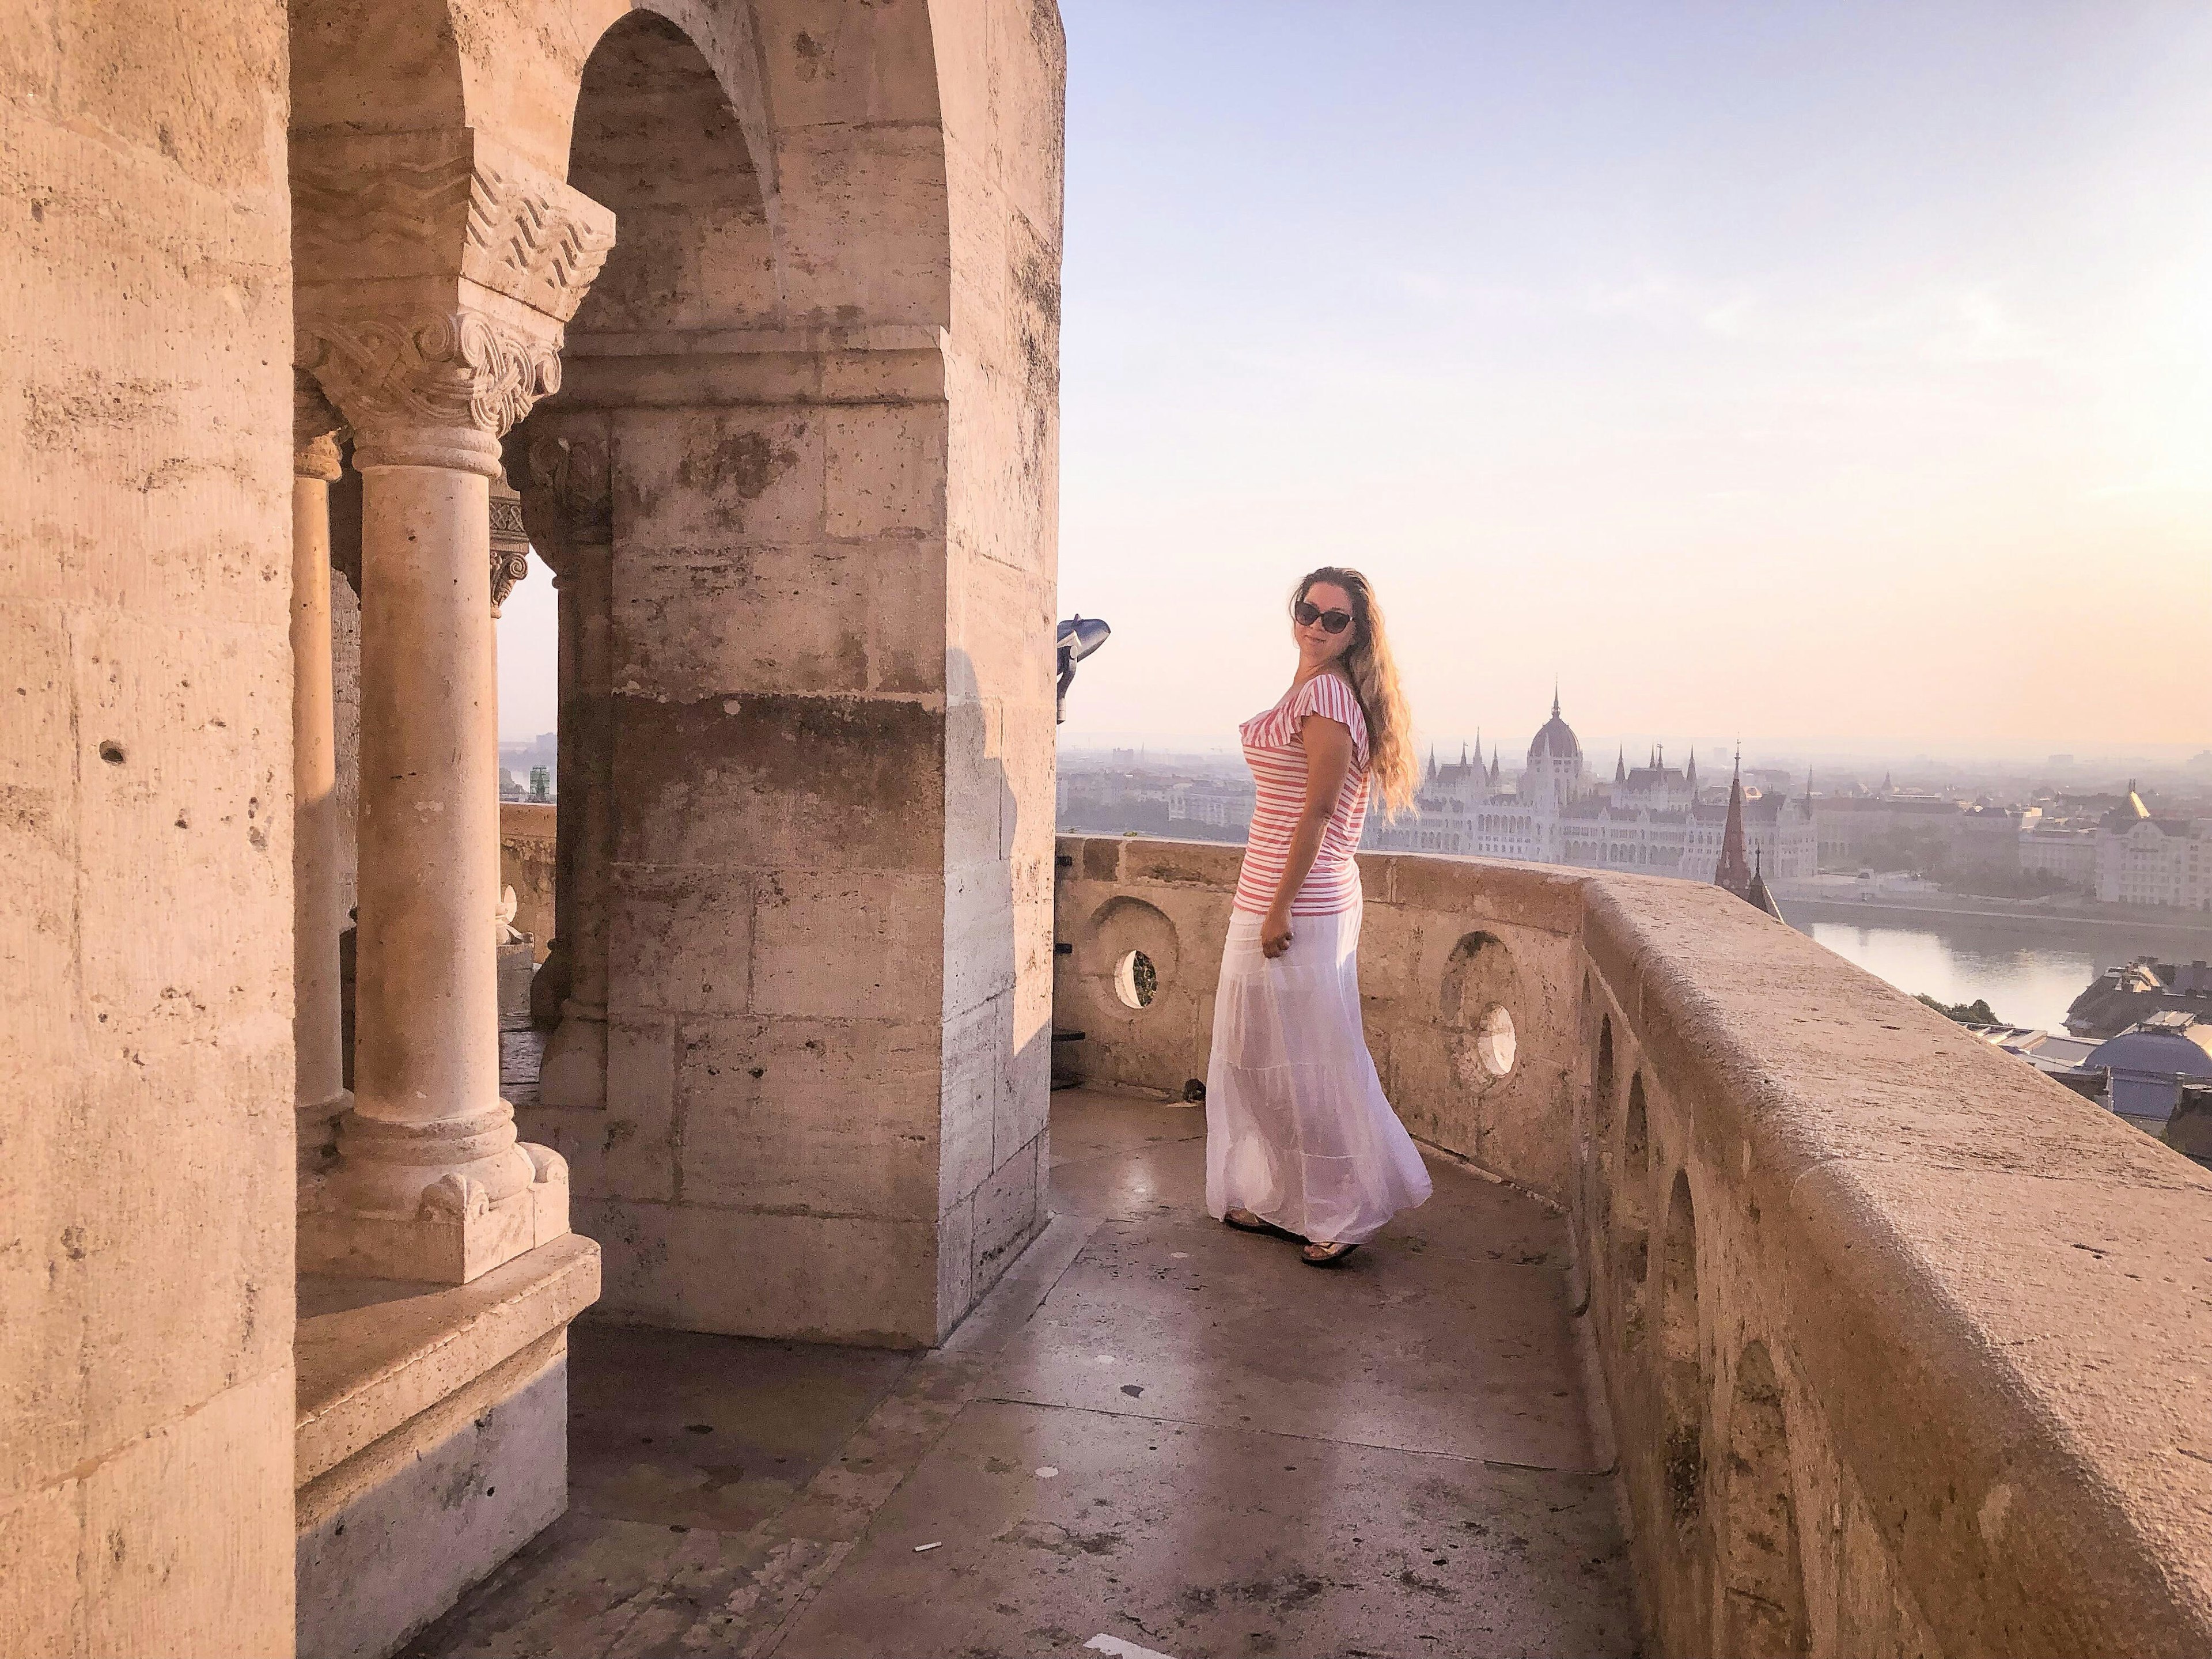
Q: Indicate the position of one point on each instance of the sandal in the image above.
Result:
(1325, 1256)
(1252, 1223)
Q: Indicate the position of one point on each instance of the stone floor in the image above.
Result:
(1155, 1436)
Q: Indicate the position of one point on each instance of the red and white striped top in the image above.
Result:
(1277, 761)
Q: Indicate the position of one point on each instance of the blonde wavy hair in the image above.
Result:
(1393, 767)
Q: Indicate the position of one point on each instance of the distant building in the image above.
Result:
(1852, 829)
(1221, 805)
(1653, 819)
(2061, 850)
(2147, 860)
(1985, 844)
(2121, 997)
(2151, 1062)
(2064, 1058)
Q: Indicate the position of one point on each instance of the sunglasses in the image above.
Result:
(1332, 622)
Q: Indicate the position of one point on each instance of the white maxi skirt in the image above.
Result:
(1296, 1128)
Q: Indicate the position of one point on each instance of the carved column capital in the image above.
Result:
(434, 272)
(315, 429)
(429, 388)
(510, 544)
(567, 485)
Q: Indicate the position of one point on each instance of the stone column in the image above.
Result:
(319, 905)
(434, 272)
(431, 1184)
(566, 502)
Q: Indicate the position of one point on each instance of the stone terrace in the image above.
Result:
(1904, 1346)
(1155, 1429)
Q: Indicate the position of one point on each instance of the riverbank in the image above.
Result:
(2175, 931)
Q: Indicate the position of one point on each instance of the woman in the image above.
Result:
(1299, 1140)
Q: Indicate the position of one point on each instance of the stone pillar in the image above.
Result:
(431, 1182)
(318, 903)
(567, 505)
(432, 322)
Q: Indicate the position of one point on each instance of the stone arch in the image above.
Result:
(1632, 1213)
(1682, 1375)
(656, 138)
(1763, 1586)
(1602, 1082)
(813, 600)
(1481, 980)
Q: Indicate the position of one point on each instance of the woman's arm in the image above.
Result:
(1328, 759)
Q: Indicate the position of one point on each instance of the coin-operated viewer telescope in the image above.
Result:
(1079, 637)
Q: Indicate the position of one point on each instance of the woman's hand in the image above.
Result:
(1275, 931)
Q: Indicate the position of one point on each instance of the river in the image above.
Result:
(2029, 971)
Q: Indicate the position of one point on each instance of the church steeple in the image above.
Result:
(1737, 871)
(1690, 776)
(1620, 766)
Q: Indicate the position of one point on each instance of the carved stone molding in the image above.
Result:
(428, 387)
(315, 430)
(510, 544)
(447, 203)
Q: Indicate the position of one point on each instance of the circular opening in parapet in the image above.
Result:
(1495, 1044)
(1136, 981)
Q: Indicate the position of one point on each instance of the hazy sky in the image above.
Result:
(1822, 373)
(1839, 375)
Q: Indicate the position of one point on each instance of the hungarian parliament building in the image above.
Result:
(1651, 819)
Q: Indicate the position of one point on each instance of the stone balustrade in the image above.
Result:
(1903, 1346)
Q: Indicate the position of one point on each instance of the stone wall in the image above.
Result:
(1902, 1344)
(145, 767)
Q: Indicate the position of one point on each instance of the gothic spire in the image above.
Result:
(1620, 766)
(1734, 872)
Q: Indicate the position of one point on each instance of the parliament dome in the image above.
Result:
(1556, 739)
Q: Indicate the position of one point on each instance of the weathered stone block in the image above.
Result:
(1186, 864)
(812, 1116)
(710, 478)
(682, 940)
(979, 936)
(1512, 895)
(977, 1044)
(849, 944)
(433, 1513)
(979, 803)
(1098, 858)
(1008, 1212)
(956, 1264)
(181, 1534)
(776, 781)
(877, 187)
(861, 1280)
(884, 473)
